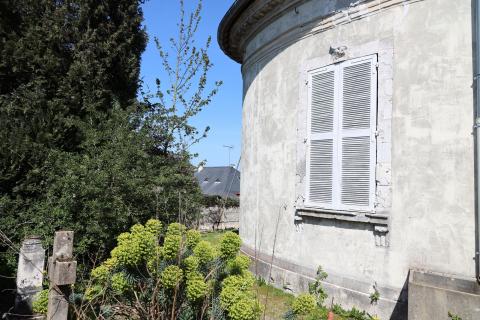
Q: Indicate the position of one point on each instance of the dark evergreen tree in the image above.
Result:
(63, 63)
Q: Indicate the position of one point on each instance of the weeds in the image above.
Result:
(453, 316)
(311, 306)
(375, 296)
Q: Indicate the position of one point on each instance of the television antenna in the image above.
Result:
(229, 150)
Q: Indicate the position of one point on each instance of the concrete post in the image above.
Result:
(62, 273)
(29, 274)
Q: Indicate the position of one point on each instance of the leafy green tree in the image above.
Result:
(66, 66)
(111, 185)
(186, 91)
(77, 149)
(63, 64)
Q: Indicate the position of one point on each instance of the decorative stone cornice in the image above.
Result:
(246, 18)
(242, 19)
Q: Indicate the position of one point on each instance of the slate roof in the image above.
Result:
(219, 181)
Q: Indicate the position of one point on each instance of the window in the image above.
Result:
(341, 126)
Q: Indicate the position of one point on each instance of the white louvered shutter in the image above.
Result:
(320, 159)
(341, 145)
(357, 133)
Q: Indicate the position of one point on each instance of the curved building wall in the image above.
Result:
(425, 111)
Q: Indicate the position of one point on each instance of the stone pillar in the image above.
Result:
(62, 273)
(29, 274)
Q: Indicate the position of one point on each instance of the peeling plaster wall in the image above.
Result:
(431, 219)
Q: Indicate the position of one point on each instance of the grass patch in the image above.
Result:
(278, 301)
(213, 237)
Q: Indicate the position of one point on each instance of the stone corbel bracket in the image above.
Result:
(381, 235)
(338, 53)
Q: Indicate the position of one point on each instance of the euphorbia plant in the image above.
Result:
(179, 277)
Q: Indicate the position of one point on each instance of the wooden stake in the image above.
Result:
(62, 273)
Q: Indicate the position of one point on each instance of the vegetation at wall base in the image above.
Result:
(453, 316)
(321, 313)
(375, 295)
(311, 306)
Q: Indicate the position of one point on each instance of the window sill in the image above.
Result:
(377, 219)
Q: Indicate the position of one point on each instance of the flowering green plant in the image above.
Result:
(173, 274)
(304, 304)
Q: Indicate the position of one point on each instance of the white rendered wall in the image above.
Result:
(432, 176)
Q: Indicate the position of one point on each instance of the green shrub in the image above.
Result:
(191, 264)
(146, 277)
(171, 276)
(304, 304)
(176, 229)
(101, 272)
(230, 245)
(196, 287)
(153, 226)
(136, 247)
(171, 246)
(193, 238)
(239, 264)
(92, 292)
(40, 303)
(238, 299)
(205, 252)
(119, 283)
(235, 288)
(245, 309)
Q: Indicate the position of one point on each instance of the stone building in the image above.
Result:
(221, 190)
(219, 181)
(358, 149)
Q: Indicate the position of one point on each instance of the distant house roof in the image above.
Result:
(219, 181)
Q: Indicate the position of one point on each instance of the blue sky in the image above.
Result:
(224, 114)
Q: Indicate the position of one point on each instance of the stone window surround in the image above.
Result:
(383, 186)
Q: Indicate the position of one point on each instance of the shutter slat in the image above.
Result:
(321, 164)
(357, 80)
(356, 171)
(322, 102)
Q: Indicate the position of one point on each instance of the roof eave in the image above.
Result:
(223, 33)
